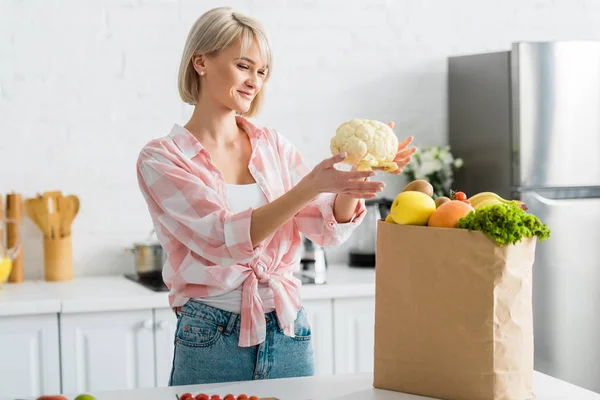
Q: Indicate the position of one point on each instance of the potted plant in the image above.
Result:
(436, 165)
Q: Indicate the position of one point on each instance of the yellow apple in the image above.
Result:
(412, 208)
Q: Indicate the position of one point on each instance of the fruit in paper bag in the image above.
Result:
(419, 185)
(412, 208)
(389, 219)
(441, 200)
(448, 214)
(490, 199)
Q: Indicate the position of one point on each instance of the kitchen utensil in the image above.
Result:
(313, 261)
(30, 212)
(58, 259)
(13, 212)
(149, 255)
(53, 212)
(364, 239)
(69, 207)
(36, 211)
(58, 248)
(61, 203)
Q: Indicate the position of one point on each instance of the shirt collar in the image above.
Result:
(190, 146)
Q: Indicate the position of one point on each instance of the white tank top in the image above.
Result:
(240, 198)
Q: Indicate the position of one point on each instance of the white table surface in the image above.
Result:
(333, 387)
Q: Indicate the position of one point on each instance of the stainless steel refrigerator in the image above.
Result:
(526, 121)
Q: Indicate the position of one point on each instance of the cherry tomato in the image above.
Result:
(242, 397)
(229, 397)
(460, 196)
(186, 396)
(202, 396)
(253, 398)
(215, 397)
(467, 201)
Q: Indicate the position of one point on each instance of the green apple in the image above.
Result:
(85, 397)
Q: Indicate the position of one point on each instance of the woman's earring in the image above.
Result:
(201, 72)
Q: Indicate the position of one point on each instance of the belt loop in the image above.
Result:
(231, 323)
(276, 318)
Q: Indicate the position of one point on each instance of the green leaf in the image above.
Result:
(505, 224)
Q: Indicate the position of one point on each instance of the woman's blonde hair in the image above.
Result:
(213, 31)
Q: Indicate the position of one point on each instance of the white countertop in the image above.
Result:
(113, 293)
(338, 387)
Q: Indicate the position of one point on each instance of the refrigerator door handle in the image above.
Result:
(547, 201)
(561, 197)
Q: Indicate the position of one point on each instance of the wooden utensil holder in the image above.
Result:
(58, 259)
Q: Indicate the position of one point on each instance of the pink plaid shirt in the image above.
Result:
(209, 248)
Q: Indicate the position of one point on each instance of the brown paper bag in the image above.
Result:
(453, 315)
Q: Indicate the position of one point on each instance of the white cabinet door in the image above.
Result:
(165, 323)
(321, 322)
(107, 351)
(354, 324)
(29, 358)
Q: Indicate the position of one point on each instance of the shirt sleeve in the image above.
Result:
(317, 221)
(192, 212)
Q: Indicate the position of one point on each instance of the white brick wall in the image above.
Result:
(84, 84)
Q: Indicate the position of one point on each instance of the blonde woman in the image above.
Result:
(228, 201)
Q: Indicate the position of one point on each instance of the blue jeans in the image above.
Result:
(207, 351)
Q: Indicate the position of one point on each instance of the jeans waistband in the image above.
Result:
(228, 320)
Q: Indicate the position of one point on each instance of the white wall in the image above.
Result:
(84, 84)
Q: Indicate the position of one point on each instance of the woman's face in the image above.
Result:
(230, 80)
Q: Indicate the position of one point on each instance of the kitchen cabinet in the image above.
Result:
(107, 351)
(354, 327)
(165, 323)
(29, 344)
(108, 333)
(320, 317)
(77, 352)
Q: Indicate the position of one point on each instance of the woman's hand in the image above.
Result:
(325, 178)
(402, 157)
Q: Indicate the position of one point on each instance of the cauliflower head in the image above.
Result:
(368, 144)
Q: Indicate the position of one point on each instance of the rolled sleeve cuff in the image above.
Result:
(341, 230)
(237, 236)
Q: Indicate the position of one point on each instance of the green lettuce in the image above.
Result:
(505, 223)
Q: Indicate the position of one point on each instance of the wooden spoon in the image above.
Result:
(36, 211)
(51, 203)
(30, 210)
(69, 212)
